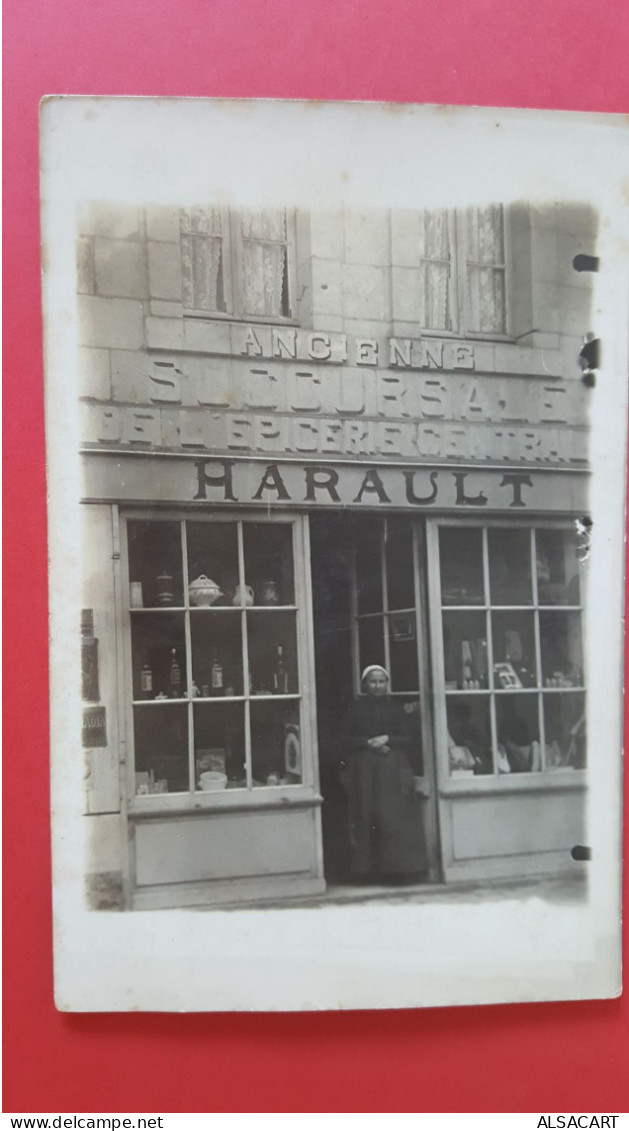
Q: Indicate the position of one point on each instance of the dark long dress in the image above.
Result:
(386, 835)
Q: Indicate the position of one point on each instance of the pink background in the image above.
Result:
(559, 54)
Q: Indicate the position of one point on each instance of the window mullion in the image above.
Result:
(490, 655)
(385, 600)
(188, 647)
(246, 683)
(354, 618)
(538, 651)
(459, 273)
(234, 259)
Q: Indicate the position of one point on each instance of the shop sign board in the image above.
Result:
(133, 478)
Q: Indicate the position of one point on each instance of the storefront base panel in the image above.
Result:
(226, 893)
(230, 846)
(513, 868)
(513, 835)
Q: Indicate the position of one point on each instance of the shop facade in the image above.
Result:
(312, 443)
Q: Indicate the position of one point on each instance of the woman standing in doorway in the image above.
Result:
(386, 839)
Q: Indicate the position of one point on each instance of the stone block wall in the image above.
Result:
(357, 272)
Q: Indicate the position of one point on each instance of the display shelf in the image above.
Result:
(157, 608)
(160, 702)
(271, 696)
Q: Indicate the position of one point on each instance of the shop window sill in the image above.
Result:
(229, 800)
(515, 783)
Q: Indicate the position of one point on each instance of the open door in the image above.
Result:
(369, 605)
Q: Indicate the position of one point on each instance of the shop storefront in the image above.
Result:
(271, 507)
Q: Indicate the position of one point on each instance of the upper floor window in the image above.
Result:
(237, 263)
(462, 275)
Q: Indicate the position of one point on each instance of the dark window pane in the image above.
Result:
(158, 655)
(465, 650)
(517, 727)
(275, 743)
(461, 563)
(219, 746)
(269, 563)
(212, 554)
(161, 748)
(370, 641)
(403, 652)
(272, 652)
(217, 668)
(368, 541)
(557, 567)
(562, 653)
(565, 731)
(399, 559)
(510, 567)
(155, 564)
(514, 649)
(469, 735)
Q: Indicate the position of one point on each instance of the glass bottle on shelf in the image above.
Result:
(217, 681)
(280, 675)
(174, 679)
(146, 679)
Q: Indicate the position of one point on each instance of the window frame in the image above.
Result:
(458, 282)
(232, 280)
(249, 797)
(534, 780)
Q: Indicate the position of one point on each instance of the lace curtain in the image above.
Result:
(485, 269)
(202, 259)
(264, 262)
(434, 276)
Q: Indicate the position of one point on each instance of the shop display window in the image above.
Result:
(214, 655)
(513, 668)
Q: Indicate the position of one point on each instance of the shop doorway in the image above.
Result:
(369, 606)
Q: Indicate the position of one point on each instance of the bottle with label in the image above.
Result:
(174, 678)
(217, 679)
(146, 680)
(280, 675)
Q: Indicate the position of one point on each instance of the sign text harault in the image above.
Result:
(227, 482)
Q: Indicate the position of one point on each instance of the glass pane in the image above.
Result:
(399, 559)
(370, 641)
(565, 731)
(517, 727)
(155, 565)
(275, 743)
(268, 564)
(219, 746)
(469, 735)
(461, 564)
(403, 652)
(161, 748)
(514, 650)
(368, 535)
(212, 563)
(510, 567)
(465, 651)
(561, 649)
(272, 644)
(158, 655)
(557, 567)
(217, 668)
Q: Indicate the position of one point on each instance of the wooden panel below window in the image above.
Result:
(516, 825)
(223, 846)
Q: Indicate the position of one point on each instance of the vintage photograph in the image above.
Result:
(332, 552)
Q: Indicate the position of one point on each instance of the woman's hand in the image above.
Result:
(379, 742)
